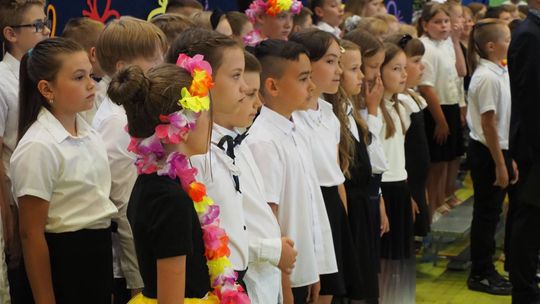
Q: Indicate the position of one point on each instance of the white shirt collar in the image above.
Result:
(278, 120)
(218, 132)
(499, 70)
(323, 26)
(55, 128)
(13, 64)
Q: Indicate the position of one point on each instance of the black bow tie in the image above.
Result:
(231, 144)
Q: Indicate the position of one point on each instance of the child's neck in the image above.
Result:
(16, 53)
(67, 120)
(388, 95)
(495, 60)
(278, 107)
(314, 102)
(223, 121)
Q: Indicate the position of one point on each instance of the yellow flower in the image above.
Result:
(194, 103)
(200, 207)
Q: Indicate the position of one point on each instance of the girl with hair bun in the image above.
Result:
(169, 120)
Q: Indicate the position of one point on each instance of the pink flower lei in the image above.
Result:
(151, 157)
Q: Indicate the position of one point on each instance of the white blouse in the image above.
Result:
(70, 172)
(394, 147)
(323, 130)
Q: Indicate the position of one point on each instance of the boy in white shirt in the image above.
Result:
(124, 42)
(23, 25)
(291, 186)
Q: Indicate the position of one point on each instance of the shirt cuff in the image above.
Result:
(266, 250)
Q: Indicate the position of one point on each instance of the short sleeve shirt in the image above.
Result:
(9, 106)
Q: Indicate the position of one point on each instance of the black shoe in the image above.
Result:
(492, 283)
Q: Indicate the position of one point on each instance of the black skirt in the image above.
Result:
(348, 270)
(398, 243)
(81, 266)
(362, 223)
(417, 165)
(454, 146)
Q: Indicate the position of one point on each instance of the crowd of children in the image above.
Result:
(288, 154)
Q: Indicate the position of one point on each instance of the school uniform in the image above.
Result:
(379, 164)
(364, 218)
(417, 159)
(110, 121)
(441, 74)
(165, 225)
(397, 243)
(72, 174)
(218, 172)
(524, 67)
(263, 277)
(291, 182)
(323, 26)
(489, 91)
(323, 128)
(9, 116)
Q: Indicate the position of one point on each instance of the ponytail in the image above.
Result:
(40, 63)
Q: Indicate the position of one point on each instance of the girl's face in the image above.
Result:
(326, 71)
(394, 74)
(352, 78)
(198, 140)
(506, 17)
(331, 12)
(456, 15)
(415, 70)
(73, 89)
(374, 7)
(438, 27)
(372, 66)
(278, 27)
(229, 85)
(467, 26)
(500, 47)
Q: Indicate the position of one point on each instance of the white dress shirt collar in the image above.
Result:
(57, 130)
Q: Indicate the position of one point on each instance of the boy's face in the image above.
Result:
(25, 38)
(251, 104)
(331, 12)
(295, 86)
(278, 27)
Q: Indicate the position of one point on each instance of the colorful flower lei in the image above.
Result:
(272, 8)
(150, 156)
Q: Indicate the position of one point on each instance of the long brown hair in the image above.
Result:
(40, 63)
(391, 51)
(340, 101)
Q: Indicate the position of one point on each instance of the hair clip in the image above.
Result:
(402, 43)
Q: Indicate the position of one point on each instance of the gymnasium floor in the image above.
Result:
(435, 284)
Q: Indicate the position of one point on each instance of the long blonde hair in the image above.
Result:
(340, 101)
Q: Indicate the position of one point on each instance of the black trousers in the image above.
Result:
(487, 209)
(525, 238)
(300, 294)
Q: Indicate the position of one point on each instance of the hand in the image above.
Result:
(288, 297)
(441, 133)
(373, 95)
(288, 255)
(415, 209)
(457, 29)
(385, 224)
(135, 292)
(463, 115)
(501, 176)
(313, 292)
(516, 173)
